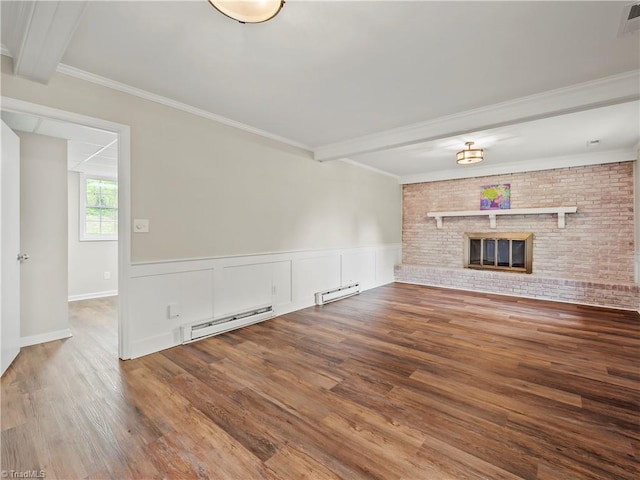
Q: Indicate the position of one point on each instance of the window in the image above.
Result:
(511, 252)
(98, 208)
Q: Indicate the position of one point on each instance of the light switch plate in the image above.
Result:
(140, 225)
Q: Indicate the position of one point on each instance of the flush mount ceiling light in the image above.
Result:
(470, 155)
(248, 11)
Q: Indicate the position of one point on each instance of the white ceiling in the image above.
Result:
(327, 75)
(89, 150)
(617, 127)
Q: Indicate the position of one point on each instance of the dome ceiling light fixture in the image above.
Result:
(248, 11)
(470, 155)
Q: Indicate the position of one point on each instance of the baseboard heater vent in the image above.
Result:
(337, 293)
(197, 331)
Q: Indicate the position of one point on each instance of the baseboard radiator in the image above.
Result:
(337, 293)
(208, 328)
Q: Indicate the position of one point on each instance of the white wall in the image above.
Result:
(212, 190)
(220, 194)
(88, 261)
(43, 235)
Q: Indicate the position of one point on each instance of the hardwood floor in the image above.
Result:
(398, 382)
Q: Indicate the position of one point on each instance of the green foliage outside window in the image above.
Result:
(101, 207)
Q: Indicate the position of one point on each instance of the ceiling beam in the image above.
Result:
(37, 33)
(584, 96)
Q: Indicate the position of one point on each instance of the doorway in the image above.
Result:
(108, 216)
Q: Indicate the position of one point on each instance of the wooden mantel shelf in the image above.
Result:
(492, 214)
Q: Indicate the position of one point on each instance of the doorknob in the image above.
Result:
(23, 256)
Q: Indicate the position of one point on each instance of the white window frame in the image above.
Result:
(83, 207)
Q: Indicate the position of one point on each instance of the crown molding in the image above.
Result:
(550, 163)
(138, 92)
(611, 90)
(372, 169)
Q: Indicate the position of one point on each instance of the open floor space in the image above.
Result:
(401, 381)
(405, 236)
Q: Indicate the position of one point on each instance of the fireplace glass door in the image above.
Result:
(505, 251)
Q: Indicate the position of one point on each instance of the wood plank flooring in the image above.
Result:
(399, 382)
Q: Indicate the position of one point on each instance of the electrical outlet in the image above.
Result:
(173, 310)
(107, 275)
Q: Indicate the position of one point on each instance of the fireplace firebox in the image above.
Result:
(512, 252)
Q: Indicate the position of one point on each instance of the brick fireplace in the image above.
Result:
(589, 261)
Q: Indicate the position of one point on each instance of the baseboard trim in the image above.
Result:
(154, 344)
(89, 296)
(45, 337)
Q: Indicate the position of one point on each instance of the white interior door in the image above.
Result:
(9, 247)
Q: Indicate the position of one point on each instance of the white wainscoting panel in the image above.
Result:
(150, 328)
(242, 287)
(282, 285)
(386, 260)
(195, 299)
(212, 287)
(359, 267)
(314, 274)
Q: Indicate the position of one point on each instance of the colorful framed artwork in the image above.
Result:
(495, 197)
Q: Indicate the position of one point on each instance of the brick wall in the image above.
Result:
(595, 247)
